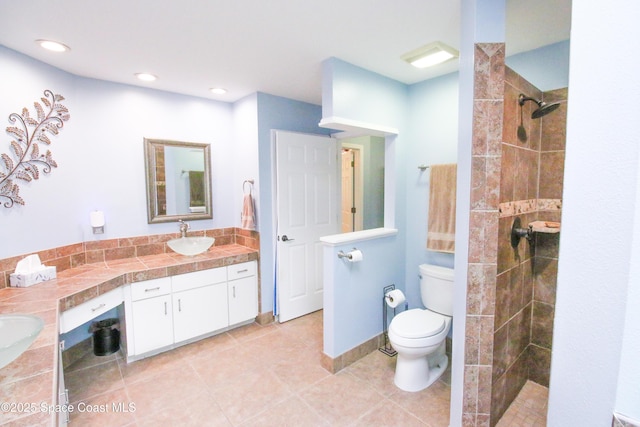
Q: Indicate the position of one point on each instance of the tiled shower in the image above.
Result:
(532, 169)
(517, 172)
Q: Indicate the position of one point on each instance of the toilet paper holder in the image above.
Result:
(348, 256)
(386, 348)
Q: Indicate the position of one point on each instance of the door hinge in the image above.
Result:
(353, 210)
(353, 164)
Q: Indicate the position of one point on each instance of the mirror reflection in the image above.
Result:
(362, 183)
(178, 180)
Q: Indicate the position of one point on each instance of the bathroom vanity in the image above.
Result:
(164, 301)
(164, 313)
(171, 311)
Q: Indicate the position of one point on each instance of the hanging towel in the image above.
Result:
(196, 188)
(441, 226)
(248, 213)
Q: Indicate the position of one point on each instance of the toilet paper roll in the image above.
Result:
(355, 256)
(394, 298)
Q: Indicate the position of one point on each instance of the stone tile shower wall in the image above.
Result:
(530, 189)
(510, 291)
(483, 232)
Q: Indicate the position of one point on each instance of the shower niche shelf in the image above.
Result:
(544, 227)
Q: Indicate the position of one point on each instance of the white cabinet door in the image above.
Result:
(243, 299)
(199, 311)
(152, 323)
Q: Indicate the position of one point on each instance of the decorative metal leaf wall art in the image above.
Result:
(26, 160)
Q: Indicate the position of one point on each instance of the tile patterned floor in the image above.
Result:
(252, 376)
(529, 409)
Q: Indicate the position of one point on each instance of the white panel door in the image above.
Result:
(307, 209)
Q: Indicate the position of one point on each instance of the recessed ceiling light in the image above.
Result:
(146, 77)
(53, 46)
(218, 90)
(429, 55)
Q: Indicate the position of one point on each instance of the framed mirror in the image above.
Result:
(178, 180)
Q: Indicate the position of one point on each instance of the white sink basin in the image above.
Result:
(17, 332)
(191, 245)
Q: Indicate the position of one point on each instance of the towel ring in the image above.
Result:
(250, 182)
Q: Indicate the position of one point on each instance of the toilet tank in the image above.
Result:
(436, 288)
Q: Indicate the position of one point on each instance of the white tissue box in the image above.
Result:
(24, 280)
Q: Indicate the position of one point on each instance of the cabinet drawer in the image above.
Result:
(197, 279)
(150, 288)
(245, 269)
(88, 310)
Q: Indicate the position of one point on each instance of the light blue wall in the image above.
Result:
(353, 305)
(546, 67)
(276, 113)
(353, 292)
(100, 156)
(348, 92)
(433, 133)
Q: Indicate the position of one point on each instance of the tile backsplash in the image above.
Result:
(77, 254)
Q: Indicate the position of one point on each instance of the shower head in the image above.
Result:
(543, 107)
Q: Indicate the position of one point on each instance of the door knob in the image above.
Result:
(286, 239)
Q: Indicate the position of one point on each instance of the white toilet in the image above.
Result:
(419, 335)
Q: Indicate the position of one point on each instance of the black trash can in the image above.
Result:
(106, 337)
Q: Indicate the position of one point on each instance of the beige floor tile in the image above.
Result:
(249, 394)
(109, 409)
(388, 414)
(254, 376)
(174, 386)
(307, 329)
(251, 331)
(88, 382)
(215, 343)
(342, 398)
(199, 411)
(89, 360)
(430, 405)
(275, 347)
(217, 368)
(292, 412)
(301, 372)
(378, 370)
(150, 367)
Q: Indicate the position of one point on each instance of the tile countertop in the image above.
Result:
(28, 385)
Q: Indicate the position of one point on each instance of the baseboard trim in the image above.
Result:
(265, 318)
(337, 364)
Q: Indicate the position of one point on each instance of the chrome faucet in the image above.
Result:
(183, 228)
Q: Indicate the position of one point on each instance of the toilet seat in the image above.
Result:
(416, 328)
(417, 323)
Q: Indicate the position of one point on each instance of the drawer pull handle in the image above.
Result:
(179, 304)
(98, 307)
(243, 271)
(165, 308)
(157, 288)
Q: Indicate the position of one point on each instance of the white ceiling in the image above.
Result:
(245, 46)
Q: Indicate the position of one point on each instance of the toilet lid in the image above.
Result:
(417, 323)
